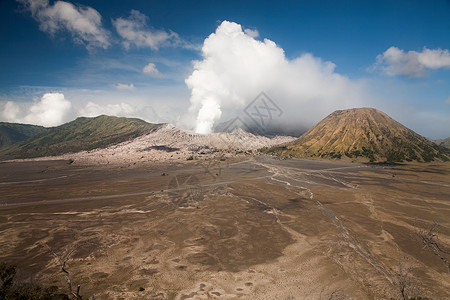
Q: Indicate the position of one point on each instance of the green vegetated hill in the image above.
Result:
(363, 134)
(78, 135)
(11, 133)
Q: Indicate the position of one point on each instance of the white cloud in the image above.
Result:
(254, 33)
(83, 22)
(158, 112)
(448, 100)
(151, 70)
(395, 61)
(135, 31)
(236, 68)
(155, 104)
(125, 87)
(10, 112)
(51, 110)
(92, 109)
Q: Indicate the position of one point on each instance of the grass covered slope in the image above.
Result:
(362, 134)
(11, 133)
(78, 135)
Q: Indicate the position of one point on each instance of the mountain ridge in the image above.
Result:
(83, 133)
(358, 134)
(103, 140)
(12, 133)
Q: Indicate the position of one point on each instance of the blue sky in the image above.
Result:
(132, 58)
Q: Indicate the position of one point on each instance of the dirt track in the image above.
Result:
(254, 229)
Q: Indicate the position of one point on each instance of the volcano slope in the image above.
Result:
(257, 228)
(362, 134)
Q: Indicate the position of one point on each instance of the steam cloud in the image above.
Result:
(236, 68)
(52, 110)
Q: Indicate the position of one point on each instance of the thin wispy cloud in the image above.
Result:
(135, 31)
(395, 61)
(92, 109)
(84, 23)
(125, 87)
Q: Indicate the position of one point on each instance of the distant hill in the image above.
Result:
(362, 134)
(11, 133)
(78, 135)
(443, 142)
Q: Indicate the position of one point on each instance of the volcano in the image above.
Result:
(362, 134)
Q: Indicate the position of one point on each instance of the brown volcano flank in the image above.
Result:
(362, 134)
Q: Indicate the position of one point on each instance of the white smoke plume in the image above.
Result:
(51, 110)
(236, 67)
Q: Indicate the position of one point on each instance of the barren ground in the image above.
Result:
(249, 228)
